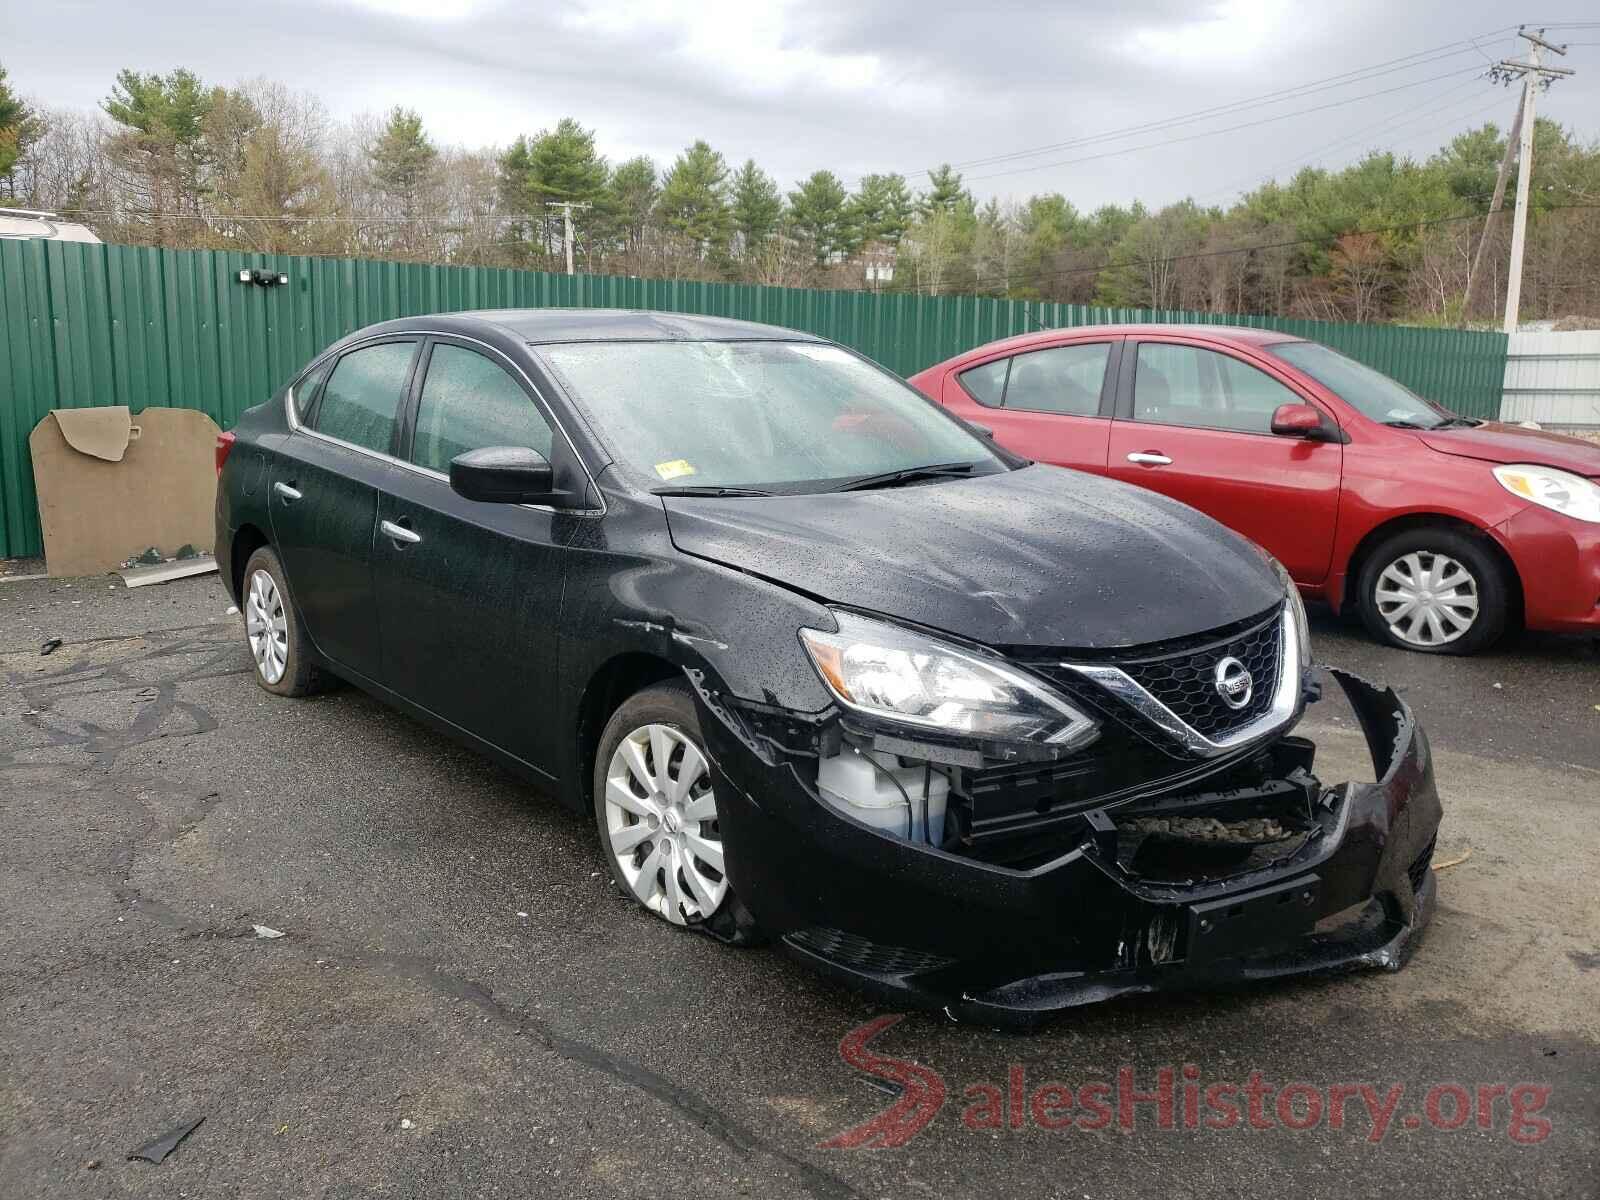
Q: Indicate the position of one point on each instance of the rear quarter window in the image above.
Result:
(304, 392)
(986, 383)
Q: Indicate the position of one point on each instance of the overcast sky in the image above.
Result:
(856, 85)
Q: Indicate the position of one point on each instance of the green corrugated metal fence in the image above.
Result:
(84, 325)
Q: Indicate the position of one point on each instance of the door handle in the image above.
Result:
(1147, 458)
(289, 494)
(399, 533)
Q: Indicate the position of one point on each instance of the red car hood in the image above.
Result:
(1498, 443)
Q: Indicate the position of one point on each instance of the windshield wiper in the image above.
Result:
(1408, 425)
(906, 475)
(707, 489)
(1458, 423)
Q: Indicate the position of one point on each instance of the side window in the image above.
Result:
(1253, 395)
(304, 392)
(361, 396)
(1062, 379)
(469, 402)
(986, 383)
(1187, 385)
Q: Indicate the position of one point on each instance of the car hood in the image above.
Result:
(1496, 442)
(1039, 557)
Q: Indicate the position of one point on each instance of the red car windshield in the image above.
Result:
(1371, 392)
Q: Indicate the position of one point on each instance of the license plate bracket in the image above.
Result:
(1262, 920)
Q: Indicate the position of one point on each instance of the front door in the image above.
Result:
(324, 499)
(1195, 423)
(469, 594)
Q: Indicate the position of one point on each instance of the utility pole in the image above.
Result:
(1534, 76)
(566, 207)
(1475, 274)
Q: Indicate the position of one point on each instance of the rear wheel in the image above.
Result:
(272, 629)
(1437, 591)
(656, 812)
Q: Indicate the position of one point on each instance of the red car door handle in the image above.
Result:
(1150, 458)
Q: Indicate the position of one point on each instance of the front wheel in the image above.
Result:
(656, 811)
(1437, 591)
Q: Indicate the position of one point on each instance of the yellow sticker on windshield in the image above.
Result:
(674, 469)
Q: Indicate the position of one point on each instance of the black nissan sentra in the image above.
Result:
(823, 664)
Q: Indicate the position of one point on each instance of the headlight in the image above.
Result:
(1559, 490)
(878, 668)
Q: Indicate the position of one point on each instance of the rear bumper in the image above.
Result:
(923, 927)
(1558, 561)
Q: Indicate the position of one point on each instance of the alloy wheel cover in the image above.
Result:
(661, 824)
(267, 626)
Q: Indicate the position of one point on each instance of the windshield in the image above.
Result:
(1373, 393)
(760, 416)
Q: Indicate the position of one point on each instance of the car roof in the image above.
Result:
(543, 325)
(1236, 334)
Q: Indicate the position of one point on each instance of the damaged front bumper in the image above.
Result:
(1010, 944)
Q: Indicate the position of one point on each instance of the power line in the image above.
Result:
(1362, 75)
(1299, 112)
(1357, 75)
(1260, 178)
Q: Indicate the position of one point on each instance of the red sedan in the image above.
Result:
(1441, 530)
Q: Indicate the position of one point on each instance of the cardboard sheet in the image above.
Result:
(112, 484)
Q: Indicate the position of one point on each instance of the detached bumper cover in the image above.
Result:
(925, 927)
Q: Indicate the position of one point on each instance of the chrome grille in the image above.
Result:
(1180, 675)
(1186, 682)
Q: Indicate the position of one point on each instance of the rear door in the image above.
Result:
(1052, 404)
(1195, 422)
(469, 593)
(324, 497)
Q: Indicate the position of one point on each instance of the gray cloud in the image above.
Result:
(857, 87)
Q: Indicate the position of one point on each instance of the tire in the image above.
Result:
(1455, 571)
(283, 661)
(661, 840)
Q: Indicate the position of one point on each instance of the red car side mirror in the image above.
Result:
(1298, 420)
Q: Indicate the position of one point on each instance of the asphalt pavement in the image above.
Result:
(462, 1004)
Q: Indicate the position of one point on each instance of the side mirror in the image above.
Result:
(1298, 420)
(503, 475)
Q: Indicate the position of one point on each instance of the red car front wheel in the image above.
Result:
(1437, 591)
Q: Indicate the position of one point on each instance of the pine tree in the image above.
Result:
(19, 128)
(630, 197)
(945, 193)
(817, 213)
(161, 146)
(757, 206)
(694, 197)
(881, 210)
(404, 163)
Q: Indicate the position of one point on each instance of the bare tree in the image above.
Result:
(1359, 271)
